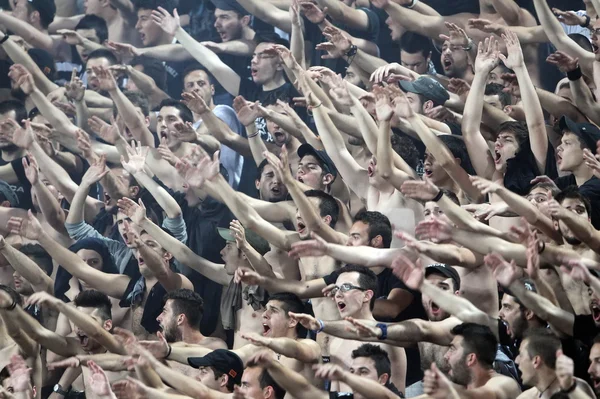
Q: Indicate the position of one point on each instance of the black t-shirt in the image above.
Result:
(253, 92)
(579, 352)
(22, 188)
(590, 189)
(175, 77)
(350, 395)
(584, 329)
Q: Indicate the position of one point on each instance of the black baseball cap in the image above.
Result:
(428, 87)
(444, 270)
(586, 132)
(327, 163)
(44, 61)
(46, 8)
(230, 5)
(222, 360)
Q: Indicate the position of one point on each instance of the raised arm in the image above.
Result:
(362, 385)
(31, 35)
(27, 268)
(28, 346)
(533, 110)
(479, 152)
(305, 350)
(303, 289)
(426, 25)
(113, 285)
(579, 226)
(84, 321)
(223, 73)
(268, 13)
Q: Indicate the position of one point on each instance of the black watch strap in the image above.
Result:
(60, 390)
(5, 38)
(383, 328)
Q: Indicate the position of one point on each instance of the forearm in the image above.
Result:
(77, 207)
(426, 25)
(56, 117)
(240, 47)
(28, 346)
(146, 84)
(584, 99)
(50, 207)
(452, 255)
(44, 337)
(256, 143)
(293, 349)
(367, 125)
(27, 268)
(294, 383)
(107, 361)
(297, 44)
(165, 276)
(268, 13)
(368, 388)
(221, 131)
(457, 306)
(19, 56)
(27, 32)
(258, 262)
(162, 197)
(384, 150)
(132, 119)
(484, 244)
(187, 385)
(223, 73)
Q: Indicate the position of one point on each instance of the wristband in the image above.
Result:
(575, 74)
(469, 45)
(169, 351)
(5, 38)
(320, 328)
(571, 389)
(352, 51)
(383, 328)
(587, 21)
(253, 134)
(412, 4)
(438, 197)
(542, 247)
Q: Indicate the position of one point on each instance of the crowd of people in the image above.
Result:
(269, 199)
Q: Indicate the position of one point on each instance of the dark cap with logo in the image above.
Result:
(221, 360)
(444, 270)
(328, 165)
(429, 88)
(46, 8)
(586, 132)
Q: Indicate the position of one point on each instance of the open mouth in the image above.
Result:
(266, 329)
(141, 261)
(435, 309)
(163, 134)
(275, 190)
(447, 63)
(299, 178)
(279, 136)
(128, 134)
(595, 48)
(143, 37)
(370, 170)
(83, 339)
(596, 382)
(558, 159)
(301, 227)
(497, 156)
(428, 172)
(341, 306)
(595, 312)
(106, 199)
(253, 71)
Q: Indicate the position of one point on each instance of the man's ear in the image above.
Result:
(327, 220)
(427, 105)
(147, 120)
(223, 379)
(245, 20)
(268, 392)
(537, 361)
(180, 319)
(168, 256)
(212, 90)
(383, 378)
(5, 204)
(368, 296)
(471, 358)
(257, 184)
(134, 191)
(328, 179)
(108, 325)
(377, 241)
(34, 16)
(529, 314)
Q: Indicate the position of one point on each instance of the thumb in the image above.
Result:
(559, 353)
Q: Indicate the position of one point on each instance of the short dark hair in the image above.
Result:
(96, 23)
(290, 303)
(543, 343)
(95, 299)
(581, 41)
(104, 53)
(270, 37)
(184, 111)
(413, 43)
(42, 258)
(519, 129)
(168, 5)
(480, 340)
(547, 186)
(14, 295)
(328, 206)
(458, 148)
(14, 105)
(189, 303)
(265, 380)
(496, 89)
(379, 225)
(367, 279)
(260, 168)
(406, 148)
(379, 356)
(138, 99)
(153, 68)
(196, 66)
(230, 381)
(572, 192)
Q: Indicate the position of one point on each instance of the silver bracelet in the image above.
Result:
(412, 4)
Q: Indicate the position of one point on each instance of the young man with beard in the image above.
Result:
(578, 140)
(594, 368)
(470, 360)
(240, 305)
(180, 319)
(368, 376)
(538, 362)
(354, 295)
(143, 294)
(91, 316)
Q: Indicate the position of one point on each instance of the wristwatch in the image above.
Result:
(469, 45)
(59, 390)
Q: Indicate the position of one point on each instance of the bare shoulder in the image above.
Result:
(214, 343)
(310, 343)
(529, 394)
(505, 387)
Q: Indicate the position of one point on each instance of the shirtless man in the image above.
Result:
(542, 366)
(247, 318)
(353, 295)
(91, 316)
(280, 335)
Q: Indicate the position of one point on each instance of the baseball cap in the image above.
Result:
(444, 270)
(327, 163)
(430, 88)
(44, 61)
(586, 132)
(7, 194)
(46, 8)
(222, 360)
(230, 5)
(257, 242)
